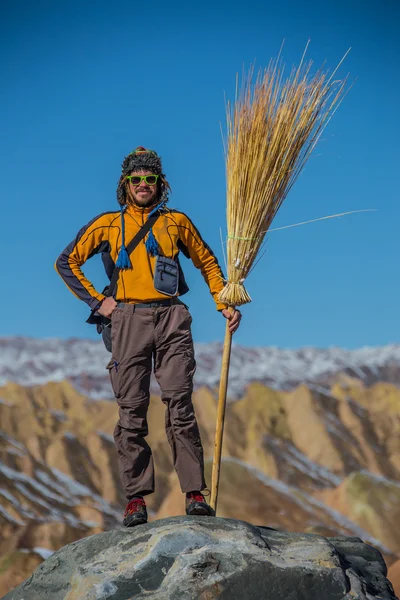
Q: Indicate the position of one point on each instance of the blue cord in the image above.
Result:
(151, 242)
(123, 261)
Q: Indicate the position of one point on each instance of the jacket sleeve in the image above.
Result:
(90, 240)
(203, 258)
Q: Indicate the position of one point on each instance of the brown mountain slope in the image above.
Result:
(343, 429)
(371, 501)
(291, 460)
(65, 430)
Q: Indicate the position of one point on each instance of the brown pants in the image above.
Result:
(162, 334)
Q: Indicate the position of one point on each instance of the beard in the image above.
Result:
(143, 202)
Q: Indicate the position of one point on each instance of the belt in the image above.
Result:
(155, 304)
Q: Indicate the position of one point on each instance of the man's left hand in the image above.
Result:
(233, 318)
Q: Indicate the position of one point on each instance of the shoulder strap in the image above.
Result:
(130, 248)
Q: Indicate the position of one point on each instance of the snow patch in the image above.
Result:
(5, 402)
(6, 494)
(9, 517)
(30, 361)
(377, 478)
(11, 440)
(302, 463)
(45, 553)
(59, 415)
(72, 487)
(106, 436)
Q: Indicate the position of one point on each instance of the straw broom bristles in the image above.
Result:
(272, 129)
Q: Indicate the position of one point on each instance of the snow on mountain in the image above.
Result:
(32, 361)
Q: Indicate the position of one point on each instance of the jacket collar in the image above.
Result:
(137, 211)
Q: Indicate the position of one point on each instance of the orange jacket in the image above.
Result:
(174, 232)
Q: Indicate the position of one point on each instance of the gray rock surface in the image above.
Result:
(200, 558)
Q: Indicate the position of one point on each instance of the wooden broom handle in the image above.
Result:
(219, 432)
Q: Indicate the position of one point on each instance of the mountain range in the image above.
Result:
(32, 361)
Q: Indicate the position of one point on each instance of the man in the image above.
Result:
(149, 323)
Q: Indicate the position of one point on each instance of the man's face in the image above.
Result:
(143, 194)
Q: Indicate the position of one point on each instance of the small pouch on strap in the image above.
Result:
(166, 276)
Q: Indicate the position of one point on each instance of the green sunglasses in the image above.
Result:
(137, 179)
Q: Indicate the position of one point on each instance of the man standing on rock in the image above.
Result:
(150, 324)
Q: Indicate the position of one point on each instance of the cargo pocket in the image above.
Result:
(190, 361)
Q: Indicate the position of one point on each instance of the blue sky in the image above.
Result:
(84, 83)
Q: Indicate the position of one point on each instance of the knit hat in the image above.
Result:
(141, 159)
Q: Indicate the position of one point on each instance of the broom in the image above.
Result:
(272, 128)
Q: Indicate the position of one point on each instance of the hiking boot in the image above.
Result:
(135, 512)
(197, 505)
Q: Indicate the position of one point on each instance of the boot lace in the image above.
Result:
(195, 497)
(134, 506)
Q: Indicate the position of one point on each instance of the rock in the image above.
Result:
(200, 558)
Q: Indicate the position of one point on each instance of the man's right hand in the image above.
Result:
(107, 307)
